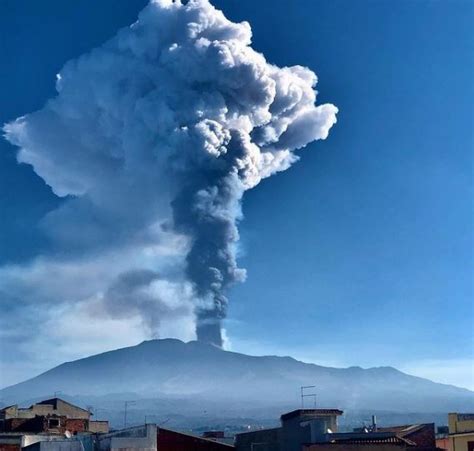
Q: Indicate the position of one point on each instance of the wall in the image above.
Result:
(461, 422)
(99, 426)
(41, 424)
(443, 443)
(305, 429)
(7, 447)
(264, 440)
(9, 412)
(37, 409)
(64, 408)
(294, 434)
(462, 442)
(141, 438)
(175, 441)
(56, 445)
(12, 442)
(461, 431)
(24, 425)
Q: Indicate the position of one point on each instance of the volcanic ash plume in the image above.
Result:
(168, 123)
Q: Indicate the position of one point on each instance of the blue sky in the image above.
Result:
(362, 252)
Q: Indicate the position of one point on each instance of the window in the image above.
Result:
(53, 423)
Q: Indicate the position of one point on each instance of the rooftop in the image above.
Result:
(54, 402)
(310, 412)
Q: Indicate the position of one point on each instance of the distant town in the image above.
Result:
(58, 425)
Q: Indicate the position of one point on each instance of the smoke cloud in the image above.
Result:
(153, 139)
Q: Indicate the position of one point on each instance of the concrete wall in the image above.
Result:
(461, 431)
(37, 409)
(35, 424)
(460, 422)
(169, 440)
(44, 424)
(443, 443)
(140, 438)
(71, 411)
(57, 445)
(99, 426)
(305, 429)
(295, 433)
(9, 441)
(461, 442)
(264, 440)
(9, 412)
(63, 409)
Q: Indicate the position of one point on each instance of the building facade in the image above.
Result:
(461, 431)
(297, 428)
(317, 429)
(52, 416)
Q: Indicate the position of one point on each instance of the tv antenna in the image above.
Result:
(126, 404)
(304, 394)
(150, 416)
(164, 421)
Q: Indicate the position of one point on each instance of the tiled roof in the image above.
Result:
(377, 440)
(405, 430)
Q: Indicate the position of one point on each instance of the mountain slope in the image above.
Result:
(173, 369)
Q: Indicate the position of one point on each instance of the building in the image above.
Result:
(259, 440)
(153, 438)
(461, 431)
(138, 438)
(147, 437)
(317, 430)
(169, 440)
(297, 428)
(52, 416)
(218, 436)
(369, 443)
(442, 443)
(442, 438)
(423, 436)
(16, 441)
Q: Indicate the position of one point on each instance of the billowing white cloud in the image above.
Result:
(152, 139)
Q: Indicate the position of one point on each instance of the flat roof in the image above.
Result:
(310, 412)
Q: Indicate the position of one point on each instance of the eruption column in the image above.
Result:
(169, 123)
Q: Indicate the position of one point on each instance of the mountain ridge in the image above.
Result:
(171, 368)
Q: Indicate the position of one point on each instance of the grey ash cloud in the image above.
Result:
(153, 138)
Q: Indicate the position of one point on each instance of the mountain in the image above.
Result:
(203, 374)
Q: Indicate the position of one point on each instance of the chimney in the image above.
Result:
(374, 423)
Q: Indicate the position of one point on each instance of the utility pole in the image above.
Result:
(126, 403)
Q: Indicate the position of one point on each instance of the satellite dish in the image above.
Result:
(68, 434)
